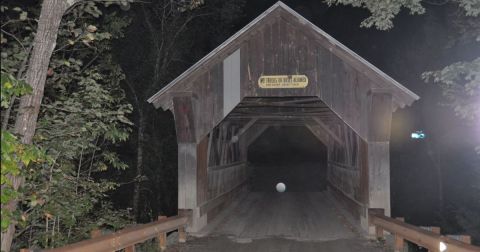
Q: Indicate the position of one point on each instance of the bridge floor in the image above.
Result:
(269, 221)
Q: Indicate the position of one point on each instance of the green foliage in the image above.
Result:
(13, 152)
(84, 114)
(460, 83)
(382, 12)
(471, 7)
(12, 87)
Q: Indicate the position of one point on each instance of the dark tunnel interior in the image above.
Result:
(291, 155)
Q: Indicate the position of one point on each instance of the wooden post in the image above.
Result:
(130, 249)
(182, 235)
(378, 230)
(162, 237)
(399, 241)
(466, 239)
(379, 233)
(379, 118)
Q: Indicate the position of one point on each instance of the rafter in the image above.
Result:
(244, 129)
(327, 129)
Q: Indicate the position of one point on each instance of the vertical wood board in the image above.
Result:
(231, 82)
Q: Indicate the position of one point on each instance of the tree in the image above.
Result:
(36, 74)
(43, 46)
(170, 44)
(13, 152)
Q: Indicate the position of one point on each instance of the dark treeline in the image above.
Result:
(160, 43)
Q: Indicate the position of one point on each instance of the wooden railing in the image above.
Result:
(425, 238)
(128, 237)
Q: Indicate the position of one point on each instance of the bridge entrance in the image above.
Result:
(281, 72)
(279, 139)
(291, 155)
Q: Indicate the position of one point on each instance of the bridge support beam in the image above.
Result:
(192, 158)
(379, 113)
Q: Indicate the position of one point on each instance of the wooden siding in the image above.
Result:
(279, 49)
(345, 164)
(202, 172)
(225, 178)
(231, 82)
(295, 28)
(187, 175)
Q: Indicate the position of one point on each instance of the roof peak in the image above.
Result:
(334, 45)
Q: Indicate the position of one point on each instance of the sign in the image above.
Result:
(283, 81)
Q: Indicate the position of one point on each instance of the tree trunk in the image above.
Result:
(36, 75)
(139, 168)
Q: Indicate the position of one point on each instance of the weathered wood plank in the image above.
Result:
(328, 130)
(380, 117)
(187, 175)
(318, 133)
(217, 89)
(202, 176)
(231, 82)
(379, 175)
(184, 118)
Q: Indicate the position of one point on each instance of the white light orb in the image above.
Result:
(442, 247)
(281, 187)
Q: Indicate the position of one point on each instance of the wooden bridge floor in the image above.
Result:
(268, 221)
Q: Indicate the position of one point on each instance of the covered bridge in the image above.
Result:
(282, 71)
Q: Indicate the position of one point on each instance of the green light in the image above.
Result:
(418, 135)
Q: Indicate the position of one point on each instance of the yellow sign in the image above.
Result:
(283, 81)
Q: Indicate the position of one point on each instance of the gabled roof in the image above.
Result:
(402, 95)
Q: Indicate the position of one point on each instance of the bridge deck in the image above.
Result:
(268, 221)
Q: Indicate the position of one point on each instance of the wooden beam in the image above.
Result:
(187, 175)
(126, 237)
(317, 134)
(275, 117)
(256, 135)
(202, 174)
(257, 105)
(286, 101)
(331, 133)
(184, 119)
(244, 129)
(283, 113)
(417, 235)
(380, 117)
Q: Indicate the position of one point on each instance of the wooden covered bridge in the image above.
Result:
(281, 71)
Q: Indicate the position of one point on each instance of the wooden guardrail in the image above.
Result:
(128, 237)
(403, 231)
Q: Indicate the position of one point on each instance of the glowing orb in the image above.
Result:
(418, 135)
(443, 246)
(281, 187)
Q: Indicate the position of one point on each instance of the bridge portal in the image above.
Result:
(282, 71)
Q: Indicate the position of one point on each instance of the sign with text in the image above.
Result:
(283, 81)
